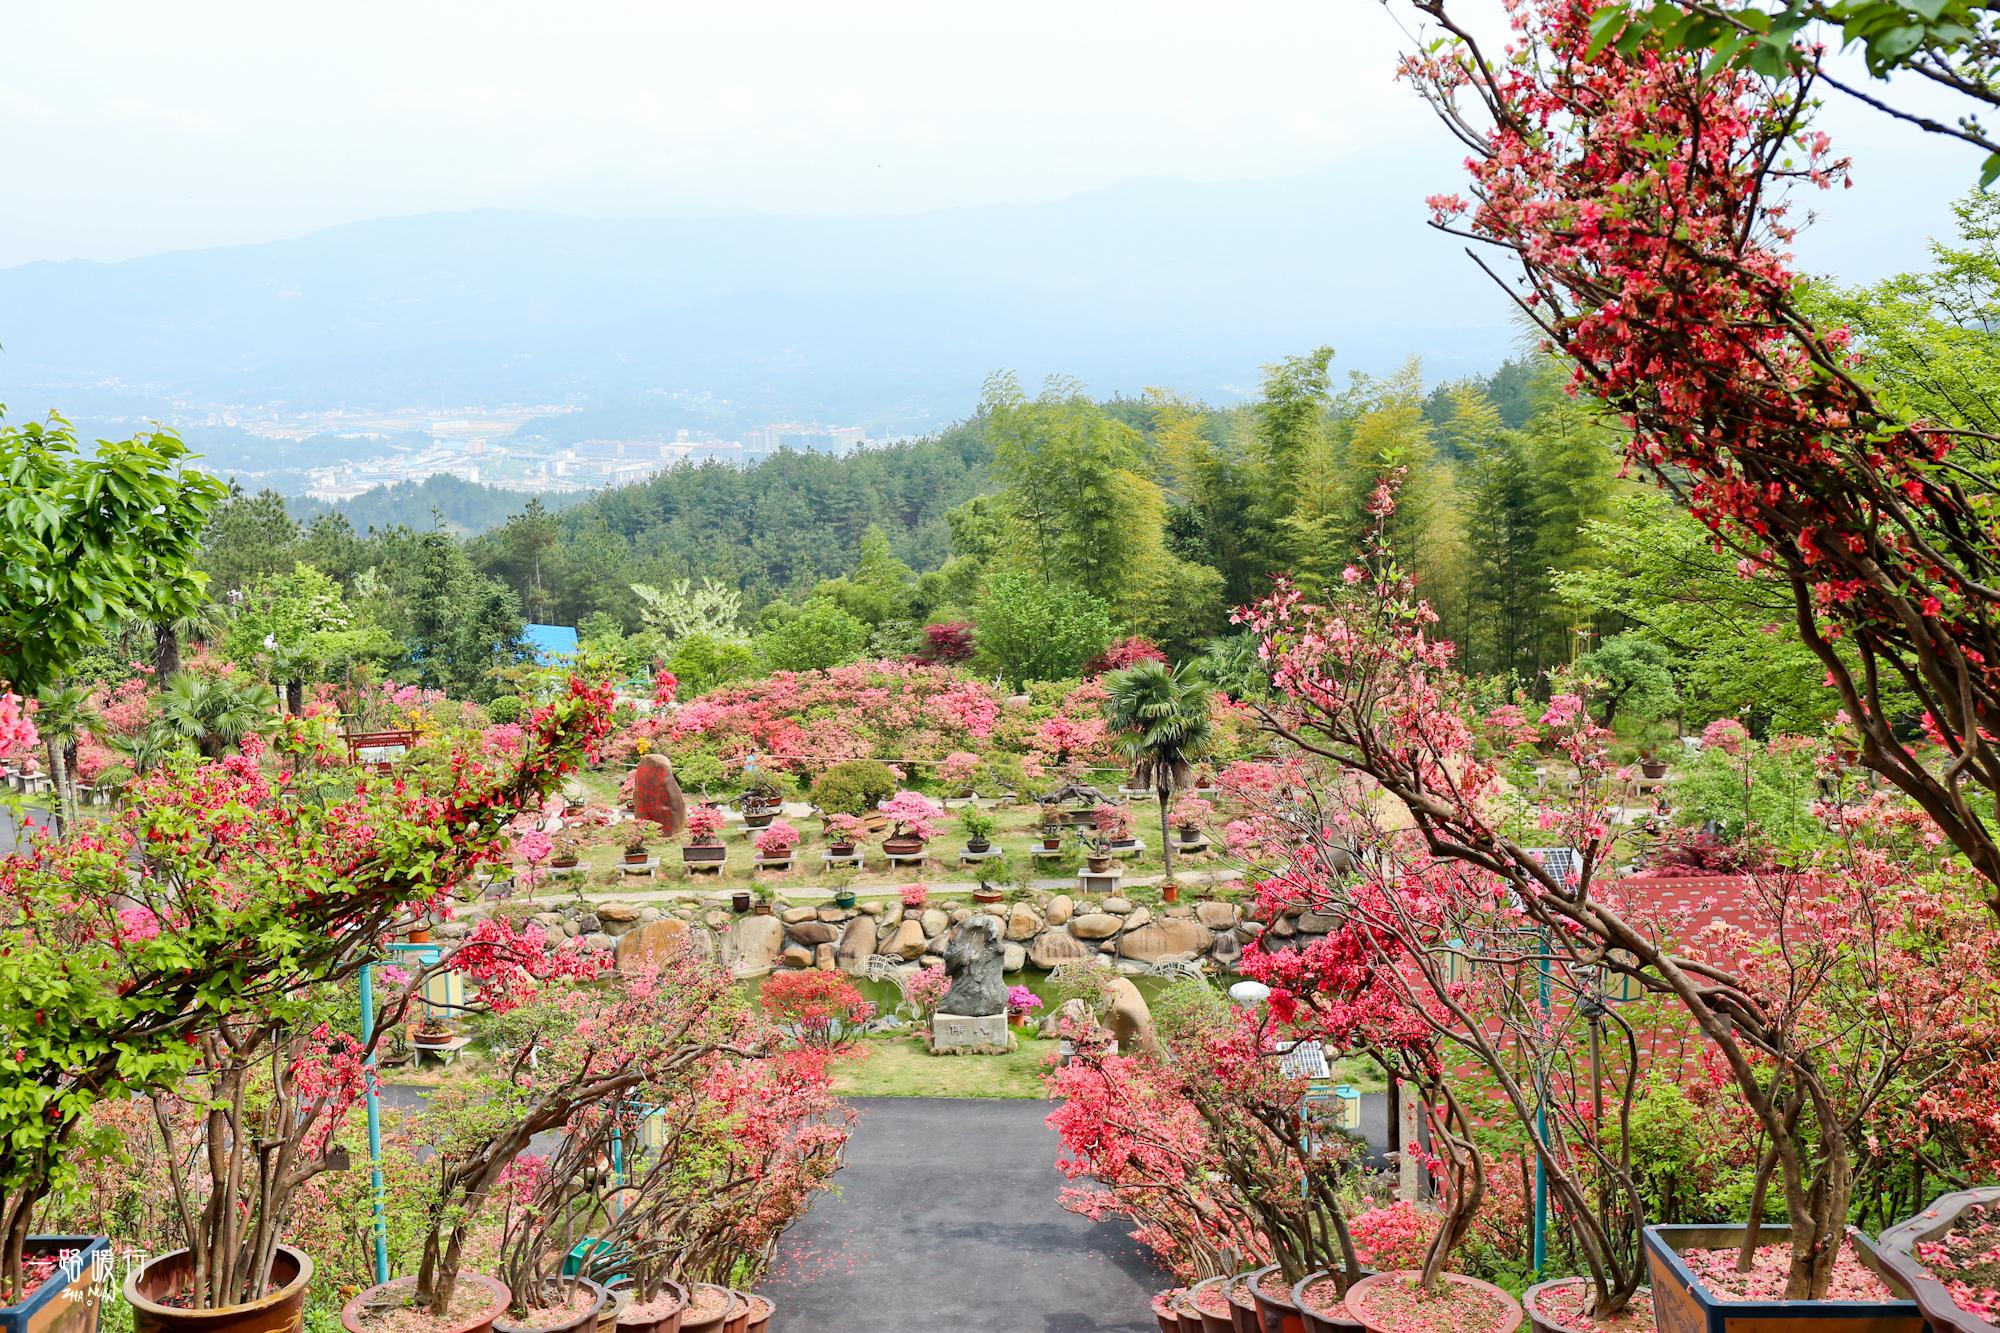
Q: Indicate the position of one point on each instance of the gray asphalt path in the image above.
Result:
(946, 1218)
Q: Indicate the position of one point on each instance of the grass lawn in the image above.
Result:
(901, 1067)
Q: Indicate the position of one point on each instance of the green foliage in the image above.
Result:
(505, 708)
(1634, 676)
(853, 787)
(1767, 791)
(701, 662)
(977, 824)
(821, 635)
(1032, 628)
(88, 542)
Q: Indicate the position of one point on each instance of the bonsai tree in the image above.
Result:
(845, 830)
(569, 1049)
(209, 896)
(978, 826)
(704, 826)
(912, 815)
(1191, 813)
(1113, 823)
(777, 842)
(1159, 717)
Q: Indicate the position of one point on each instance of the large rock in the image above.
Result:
(1129, 1018)
(935, 922)
(1060, 909)
(617, 913)
(1013, 958)
(972, 959)
(831, 915)
(1228, 947)
(649, 944)
(823, 958)
(812, 933)
(1094, 926)
(1165, 939)
(755, 942)
(907, 941)
(857, 942)
(1053, 948)
(1318, 923)
(1215, 915)
(793, 915)
(1136, 918)
(656, 796)
(796, 955)
(1023, 922)
(1117, 906)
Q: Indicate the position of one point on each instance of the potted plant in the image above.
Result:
(775, 846)
(575, 1051)
(1170, 892)
(1021, 1002)
(1942, 1255)
(766, 896)
(1210, 1299)
(978, 826)
(564, 857)
(761, 1310)
(913, 822)
(1166, 1309)
(704, 833)
(988, 893)
(844, 898)
(1054, 826)
(1189, 815)
(433, 1033)
(635, 850)
(1114, 825)
(551, 1207)
(844, 833)
(761, 802)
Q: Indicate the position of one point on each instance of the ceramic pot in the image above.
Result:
(1242, 1306)
(978, 845)
(1276, 1312)
(586, 1319)
(841, 848)
(1213, 1290)
(1357, 1297)
(1542, 1323)
(670, 1294)
(844, 899)
(761, 1310)
(903, 846)
(480, 1322)
(1099, 864)
(1317, 1319)
(715, 1323)
(1170, 893)
(738, 1320)
(1898, 1247)
(696, 854)
(1653, 768)
(986, 896)
(1680, 1301)
(151, 1289)
(739, 901)
(636, 858)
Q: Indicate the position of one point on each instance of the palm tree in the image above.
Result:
(60, 714)
(213, 712)
(1159, 716)
(197, 626)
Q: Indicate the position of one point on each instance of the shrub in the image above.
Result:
(845, 828)
(1113, 821)
(916, 895)
(505, 708)
(778, 840)
(823, 1009)
(1191, 811)
(1394, 1237)
(1021, 1000)
(926, 990)
(852, 787)
(704, 823)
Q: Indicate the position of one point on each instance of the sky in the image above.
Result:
(135, 128)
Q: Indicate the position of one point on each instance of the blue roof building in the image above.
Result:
(549, 644)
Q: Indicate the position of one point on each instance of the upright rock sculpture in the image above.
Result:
(973, 1015)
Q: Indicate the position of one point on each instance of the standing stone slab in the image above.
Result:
(657, 796)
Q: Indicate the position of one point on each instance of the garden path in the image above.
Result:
(945, 1217)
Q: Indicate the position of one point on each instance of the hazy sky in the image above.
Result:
(133, 128)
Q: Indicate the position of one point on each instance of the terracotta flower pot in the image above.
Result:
(1274, 1301)
(986, 896)
(1898, 1248)
(1051, 844)
(479, 1322)
(434, 1038)
(585, 1319)
(1170, 893)
(1099, 864)
(1681, 1301)
(60, 1303)
(1653, 768)
(1358, 1309)
(1319, 1316)
(562, 863)
(152, 1292)
(738, 1320)
(903, 846)
(1212, 1292)
(636, 858)
(739, 901)
(841, 848)
(1544, 1322)
(661, 1315)
(717, 1322)
(420, 935)
(1243, 1306)
(1164, 1312)
(761, 1310)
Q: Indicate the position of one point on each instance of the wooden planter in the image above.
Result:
(1682, 1305)
(1898, 1248)
(696, 854)
(62, 1303)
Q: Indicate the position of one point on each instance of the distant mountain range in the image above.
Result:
(886, 321)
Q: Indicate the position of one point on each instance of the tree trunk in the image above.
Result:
(1166, 843)
(295, 697)
(58, 784)
(166, 651)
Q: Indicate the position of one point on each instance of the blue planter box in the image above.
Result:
(63, 1304)
(1682, 1305)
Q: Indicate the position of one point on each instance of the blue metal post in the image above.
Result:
(374, 1126)
(1542, 1128)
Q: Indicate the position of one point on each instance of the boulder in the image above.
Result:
(1129, 1018)
(857, 942)
(1023, 922)
(1117, 906)
(886, 931)
(907, 940)
(972, 959)
(1285, 927)
(1013, 958)
(1053, 948)
(755, 942)
(831, 915)
(1318, 923)
(617, 913)
(1164, 939)
(812, 933)
(1060, 909)
(960, 915)
(649, 914)
(934, 922)
(649, 943)
(587, 924)
(656, 796)
(823, 957)
(793, 915)
(1216, 915)
(872, 908)
(1094, 926)
(1228, 947)
(797, 955)
(1136, 918)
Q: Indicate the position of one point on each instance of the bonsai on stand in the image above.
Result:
(703, 849)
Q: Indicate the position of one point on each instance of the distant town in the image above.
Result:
(483, 446)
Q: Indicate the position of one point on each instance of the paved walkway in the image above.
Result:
(945, 1217)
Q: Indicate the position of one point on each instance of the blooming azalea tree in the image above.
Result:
(822, 1010)
(1641, 191)
(912, 815)
(211, 895)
